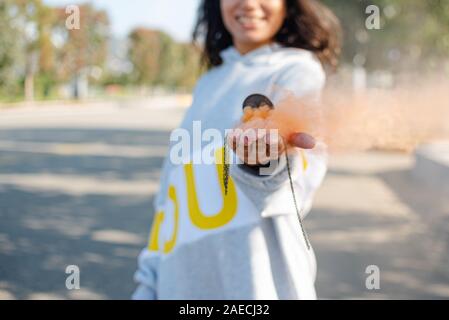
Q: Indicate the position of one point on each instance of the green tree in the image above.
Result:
(9, 50)
(158, 60)
(32, 22)
(146, 48)
(46, 18)
(28, 22)
(413, 33)
(81, 51)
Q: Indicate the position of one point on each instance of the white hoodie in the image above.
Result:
(249, 246)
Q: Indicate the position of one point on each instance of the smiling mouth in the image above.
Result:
(249, 21)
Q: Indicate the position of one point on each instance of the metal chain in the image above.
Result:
(225, 165)
(298, 211)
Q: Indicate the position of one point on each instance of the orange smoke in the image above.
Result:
(398, 119)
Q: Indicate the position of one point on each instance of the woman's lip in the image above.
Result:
(248, 22)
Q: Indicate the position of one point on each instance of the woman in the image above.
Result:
(245, 245)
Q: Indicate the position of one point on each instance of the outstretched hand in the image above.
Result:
(251, 151)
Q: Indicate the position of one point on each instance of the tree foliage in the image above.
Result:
(9, 49)
(413, 34)
(83, 48)
(35, 44)
(160, 61)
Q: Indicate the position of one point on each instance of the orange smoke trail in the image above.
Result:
(398, 119)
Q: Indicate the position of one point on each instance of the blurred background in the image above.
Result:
(85, 117)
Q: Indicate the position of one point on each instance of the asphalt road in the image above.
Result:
(76, 185)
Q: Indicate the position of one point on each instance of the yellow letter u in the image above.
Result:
(157, 223)
(229, 208)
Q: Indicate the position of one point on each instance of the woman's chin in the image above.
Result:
(254, 40)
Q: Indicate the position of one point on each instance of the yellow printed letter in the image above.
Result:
(169, 245)
(154, 234)
(229, 209)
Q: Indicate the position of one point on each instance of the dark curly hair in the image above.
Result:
(308, 25)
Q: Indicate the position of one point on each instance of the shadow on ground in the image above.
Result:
(44, 231)
(410, 250)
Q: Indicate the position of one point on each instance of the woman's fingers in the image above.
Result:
(261, 148)
(258, 148)
(302, 140)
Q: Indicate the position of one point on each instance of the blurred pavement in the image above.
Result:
(76, 185)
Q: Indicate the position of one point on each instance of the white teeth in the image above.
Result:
(245, 19)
